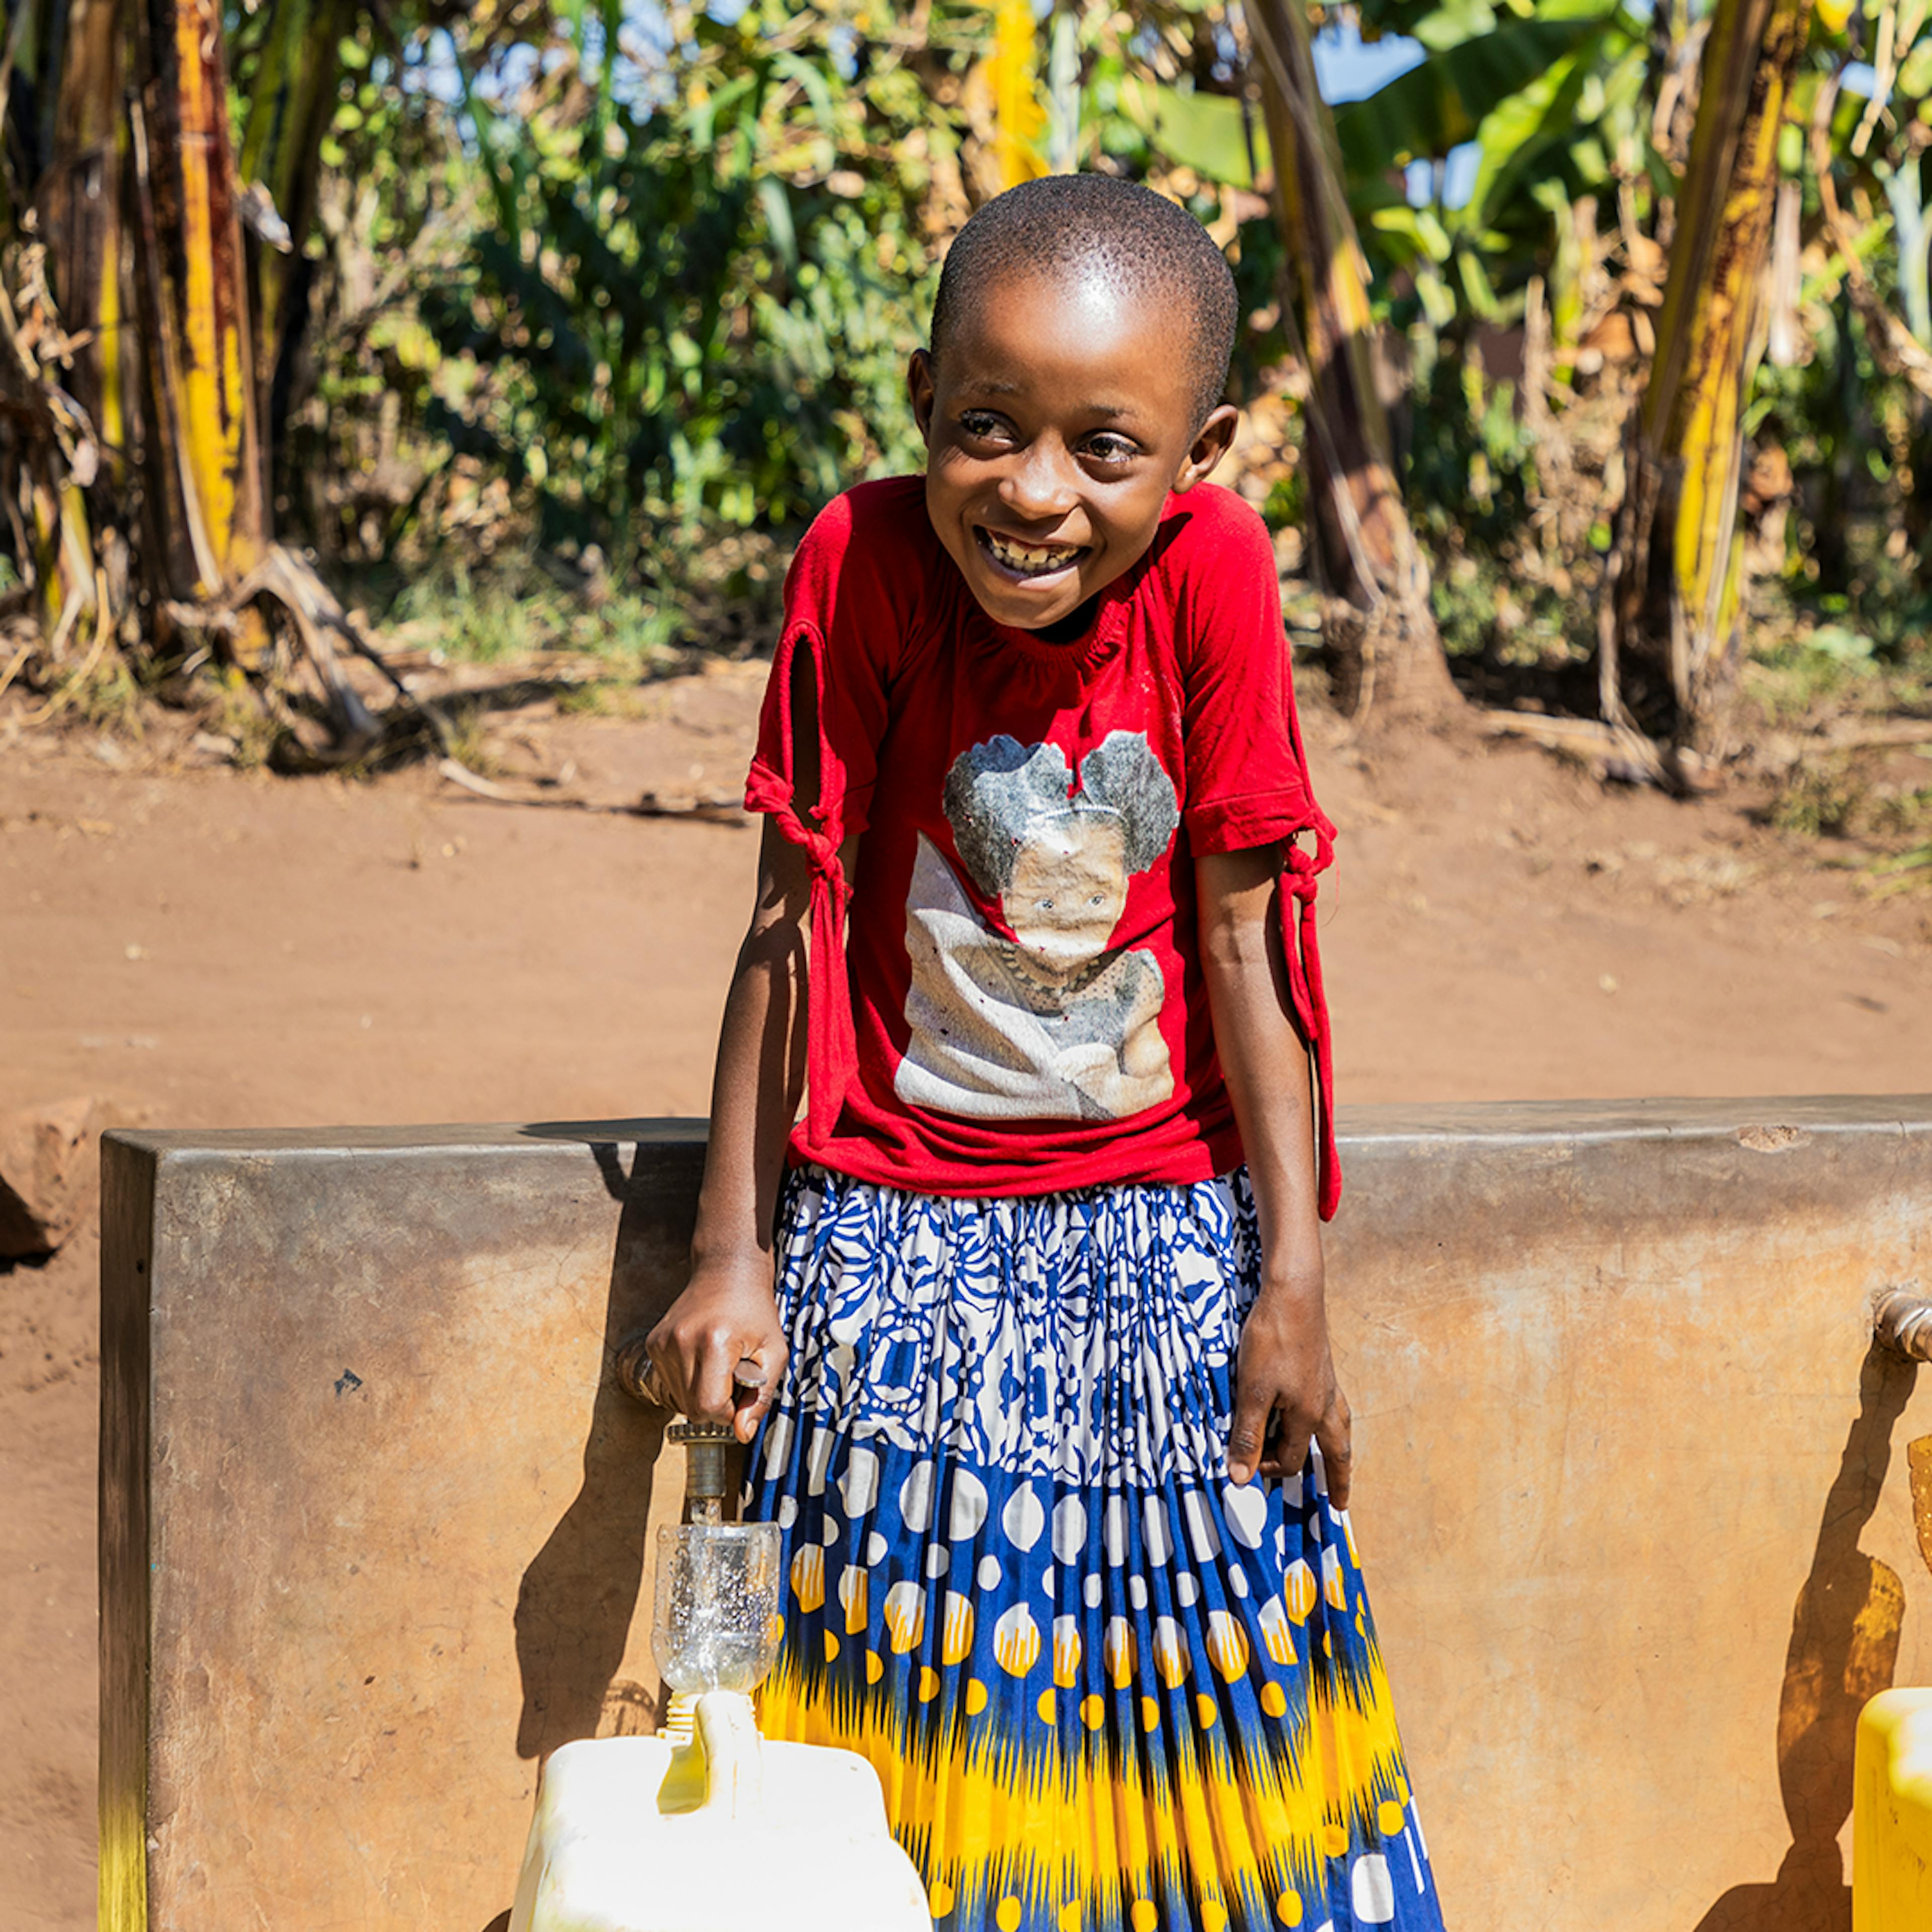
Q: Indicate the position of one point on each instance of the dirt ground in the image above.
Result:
(203, 947)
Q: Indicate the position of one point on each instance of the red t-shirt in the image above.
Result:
(1008, 998)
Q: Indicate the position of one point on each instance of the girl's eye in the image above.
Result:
(1112, 448)
(982, 424)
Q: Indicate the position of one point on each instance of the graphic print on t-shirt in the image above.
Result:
(1053, 1023)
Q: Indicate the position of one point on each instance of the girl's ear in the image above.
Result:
(1212, 442)
(919, 391)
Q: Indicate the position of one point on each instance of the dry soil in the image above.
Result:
(204, 947)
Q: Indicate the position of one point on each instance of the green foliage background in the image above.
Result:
(616, 301)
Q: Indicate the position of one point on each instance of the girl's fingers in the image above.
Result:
(670, 1366)
(1287, 1447)
(1247, 1435)
(770, 1355)
(713, 1389)
(1335, 1438)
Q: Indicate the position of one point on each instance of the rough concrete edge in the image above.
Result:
(128, 1176)
(1506, 1124)
(1496, 1123)
(565, 1137)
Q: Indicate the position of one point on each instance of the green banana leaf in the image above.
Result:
(1423, 113)
(1206, 132)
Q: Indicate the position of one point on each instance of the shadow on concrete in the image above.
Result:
(1844, 1648)
(579, 1595)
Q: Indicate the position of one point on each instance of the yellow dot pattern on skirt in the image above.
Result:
(1150, 1714)
(1335, 1840)
(1093, 1711)
(1287, 1908)
(1069, 1917)
(1047, 1708)
(928, 1684)
(1145, 1916)
(831, 1647)
(1213, 1916)
(875, 1666)
(1389, 1817)
(975, 1696)
(1206, 1710)
(1274, 1700)
(939, 1899)
(1007, 1918)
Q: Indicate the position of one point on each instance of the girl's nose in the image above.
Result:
(1041, 486)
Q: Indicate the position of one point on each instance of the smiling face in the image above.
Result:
(1061, 416)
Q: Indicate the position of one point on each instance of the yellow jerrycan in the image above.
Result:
(706, 1828)
(1891, 1814)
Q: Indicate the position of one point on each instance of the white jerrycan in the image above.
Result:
(724, 1833)
(707, 1827)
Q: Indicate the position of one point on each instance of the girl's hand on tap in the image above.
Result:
(720, 1348)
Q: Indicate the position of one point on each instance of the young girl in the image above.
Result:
(1042, 1329)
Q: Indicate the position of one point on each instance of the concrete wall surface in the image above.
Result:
(1634, 1497)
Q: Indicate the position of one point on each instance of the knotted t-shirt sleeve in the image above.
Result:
(1247, 774)
(1247, 777)
(845, 619)
(850, 600)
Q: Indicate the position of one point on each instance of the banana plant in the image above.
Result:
(1671, 595)
(139, 209)
(1378, 624)
(1553, 107)
(1019, 119)
(289, 62)
(1552, 101)
(1876, 150)
(141, 212)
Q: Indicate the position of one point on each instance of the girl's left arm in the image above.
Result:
(1285, 1389)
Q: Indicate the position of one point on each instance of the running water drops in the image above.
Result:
(716, 1625)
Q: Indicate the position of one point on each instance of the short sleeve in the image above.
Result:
(1247, 778)
(849, 598)
(851, 602)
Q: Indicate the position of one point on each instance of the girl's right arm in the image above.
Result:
(728, 1311)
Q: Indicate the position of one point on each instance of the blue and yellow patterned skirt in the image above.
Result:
(1106, 1689)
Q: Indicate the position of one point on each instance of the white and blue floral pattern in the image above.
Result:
(931, 1322)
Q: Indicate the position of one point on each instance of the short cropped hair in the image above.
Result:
(1134, 240)
(1000, 794)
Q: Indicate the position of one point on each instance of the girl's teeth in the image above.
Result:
(1040, 557)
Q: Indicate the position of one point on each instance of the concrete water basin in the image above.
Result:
(1634, 1496)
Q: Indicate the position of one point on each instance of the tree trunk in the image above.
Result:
(1673, 593)
(73, 441)
(208, 525)
(290, 109)
(1383, 646)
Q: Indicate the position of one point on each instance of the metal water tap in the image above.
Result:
(1902, 1321)
(705, 1444)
